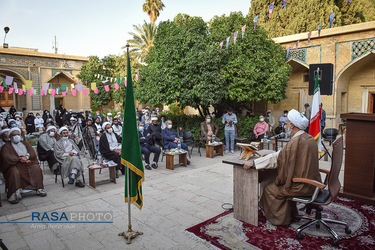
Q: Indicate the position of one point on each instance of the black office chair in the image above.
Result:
(323, 195)
(189, 141)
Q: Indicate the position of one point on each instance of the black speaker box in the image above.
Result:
(325, 78)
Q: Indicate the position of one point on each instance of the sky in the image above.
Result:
(93, 27)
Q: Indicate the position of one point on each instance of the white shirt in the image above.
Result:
(39, 122)
(117, 129)
(112, 141)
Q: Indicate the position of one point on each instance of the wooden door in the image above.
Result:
(6, 99)
(371, 102)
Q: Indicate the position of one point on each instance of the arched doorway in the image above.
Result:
(7, 100)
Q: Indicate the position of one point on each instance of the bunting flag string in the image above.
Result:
(235, 37)
(255, 20)
(287, 52)
(319, 28)
(284, 3)
(331, 18)
(221, 45)
(228, 39)
(308, 37)
(270, 8)
(243, 30)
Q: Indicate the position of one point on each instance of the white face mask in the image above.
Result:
(16, 139)
(51, 134)
(170, 126)
(110, 130)
(65, 138)
(141, 128)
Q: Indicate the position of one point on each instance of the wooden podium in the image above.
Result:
(359, 173)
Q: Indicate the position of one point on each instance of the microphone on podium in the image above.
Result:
(282, 134)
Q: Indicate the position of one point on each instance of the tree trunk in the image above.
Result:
(200, 111)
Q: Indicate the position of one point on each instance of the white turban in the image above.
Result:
(105, 124)
(51, 127)
(62, 129)
(4, 130)
(154, 118)
(11, 120)
(14, 129)
(73, 119)
(109, 114)
(298, 119)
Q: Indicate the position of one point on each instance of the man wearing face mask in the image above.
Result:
(20, 167)
(281, 126)
(171, 138)
(4, 136)
(163, 122)
(260, 129)
(100, 117)
(229, 120)
(270, 120)
(110, 147)
(38, 123)
(3, 123)
(154, 129)
(148, 147)
(67, 153)
(298, 159)
(208, 129)
(45, 148)
(30, 124)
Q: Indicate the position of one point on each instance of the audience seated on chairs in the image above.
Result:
(298, 159)
(89, 134)
(260, 129)
(4, 136)
(208, 128)
(110, 146)
(148, 147)
(170, 138)
(67, 153)
(155, 131)
(117, 128)
(20, 167)
(45, 148)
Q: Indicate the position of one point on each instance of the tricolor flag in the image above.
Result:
(319, 28)
(308, 37)
(287, 52)
(255, 20)
(131, 156)
(297, 45)
(331, 18)
(243, 30)
(221, 44)
(270, 8)
(314, 129)
(284, 3)
(235, 36)
(228, 39)
(348, 1)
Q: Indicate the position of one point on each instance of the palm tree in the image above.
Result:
(153, 8)
(143, 39)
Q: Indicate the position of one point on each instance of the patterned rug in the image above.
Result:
(225, 232)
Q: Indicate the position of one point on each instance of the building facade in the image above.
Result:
(56, 69)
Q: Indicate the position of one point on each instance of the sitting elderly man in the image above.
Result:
(209, 130)
(67, 153)
(298, 159)
(154, 129)
(171, 138)
(45, 149)
(110, 146)
(260, 130)
(148, 147)
(4, 136)
(20, 167)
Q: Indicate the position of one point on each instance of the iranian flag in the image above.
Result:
(316, 109)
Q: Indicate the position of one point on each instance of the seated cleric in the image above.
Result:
(20, 167)
(299, 158)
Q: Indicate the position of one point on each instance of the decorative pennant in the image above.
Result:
(20, 91)
(125, 82)
(117, 86)
(28, 84)
(16, 91)
(1, 89)
(53, 92)
(221, 45)
(96, 91)
(111, 79)
(15, 86)
(270, 8)
(331, 18)
(31, 92)
(243, 30)
(98, 76)
(74, 92)
(45, 86)
(228, 39)
(23, 87)
(49, 91)
(25, 92)
(235, 36)
(63, 87)
(8, 80)
(136, 77)
(348, 1)
(35, 91)
(284, 3)
(308, 37)
(4, 84)
(57, 91)
(93, 85)
(319, 28)
(42, 92)
(63, 93)
(297, 45)
(105, 81)
(79, 87)
(84, 91)
(38, 91)
(118, 80)
(101, 77)
(287, 52)
(255, 20)
(106, 87)
(10, 91)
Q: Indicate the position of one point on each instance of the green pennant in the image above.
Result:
(63, 87)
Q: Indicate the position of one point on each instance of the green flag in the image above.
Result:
(63, 87)
(131, 156)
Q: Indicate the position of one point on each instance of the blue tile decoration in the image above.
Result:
(361, 47)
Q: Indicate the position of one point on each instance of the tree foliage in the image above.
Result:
(153, 8)
(304, 16)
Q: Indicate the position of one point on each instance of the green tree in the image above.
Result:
(153, 8)
(182, 66)
(143, 39)
(303, 16)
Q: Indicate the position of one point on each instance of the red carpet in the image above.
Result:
(225, 232)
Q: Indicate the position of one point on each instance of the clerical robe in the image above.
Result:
(45, 147)
(299, 158)
(17, 174)
(62, 150)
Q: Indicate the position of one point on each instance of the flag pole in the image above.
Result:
(130, 234)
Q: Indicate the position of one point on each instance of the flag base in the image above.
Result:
(130, 234)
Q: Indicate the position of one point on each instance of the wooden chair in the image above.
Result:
(323, 195)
